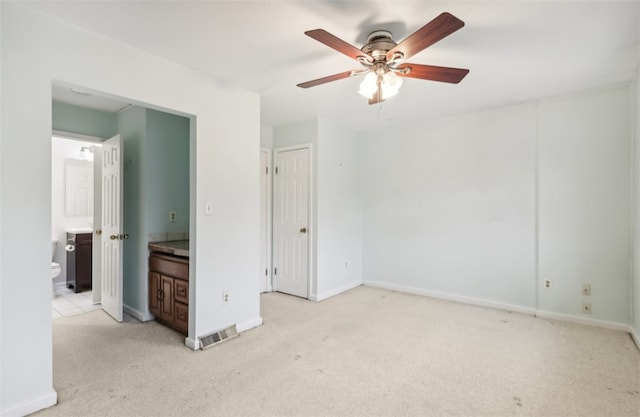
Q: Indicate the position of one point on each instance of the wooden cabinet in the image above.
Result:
(79, 261)
(169, 290)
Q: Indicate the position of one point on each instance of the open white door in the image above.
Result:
(112, 234)
(291, 222)
(96, 248)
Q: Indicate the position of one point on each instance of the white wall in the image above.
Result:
(266, 136)
(585, 175)
(60, 150)
(449, 207)
(339, 210)
(36, 50)
(485, 207)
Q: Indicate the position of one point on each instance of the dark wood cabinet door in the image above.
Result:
(166, 300)
(154, 293)
(181, 317)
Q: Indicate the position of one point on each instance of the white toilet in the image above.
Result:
(55, 267)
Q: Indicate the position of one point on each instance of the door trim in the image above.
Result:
(311, 278)
(269, 225)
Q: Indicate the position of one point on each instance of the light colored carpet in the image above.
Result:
(367, 352)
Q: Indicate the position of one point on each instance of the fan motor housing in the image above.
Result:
(378, 44)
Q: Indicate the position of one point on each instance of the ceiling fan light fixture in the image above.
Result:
(390, 84)
(368, 86)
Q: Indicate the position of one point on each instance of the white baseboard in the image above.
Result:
(60, 285)
(584, 320)
(192, 344)
(510, 307)
(249, 324)
(636, 337)
(335, 291)
(452, 297)
(138, 315)
(30, 407)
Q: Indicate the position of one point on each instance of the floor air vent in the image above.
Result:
(217, 337)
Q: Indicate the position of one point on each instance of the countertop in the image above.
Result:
(78, 230)
(174, 247)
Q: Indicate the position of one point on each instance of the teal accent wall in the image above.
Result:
(167, 172)
(132, 128)
(156, 181)
(70, 118)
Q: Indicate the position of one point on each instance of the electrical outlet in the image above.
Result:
(225, 297)
(172, 216)
(586, 308)
(586, 289)
(547, 283)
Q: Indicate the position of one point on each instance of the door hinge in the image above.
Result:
(267, 170)
(276, 170)
(266, 272)
(275, 271)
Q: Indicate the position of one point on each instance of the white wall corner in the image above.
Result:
(30, 407)
(635, 336)
(335, 291)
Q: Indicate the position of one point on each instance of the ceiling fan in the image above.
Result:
(383, 58)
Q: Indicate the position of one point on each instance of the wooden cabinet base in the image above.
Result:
(169, 291)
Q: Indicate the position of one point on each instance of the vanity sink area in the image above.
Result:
(169, 283)
(174, 247)
(79, 230)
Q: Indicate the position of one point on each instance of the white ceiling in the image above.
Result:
(516, 51)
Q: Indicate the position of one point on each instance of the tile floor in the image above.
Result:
(67, 303)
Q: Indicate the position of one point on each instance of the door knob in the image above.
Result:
(303, 230)
(113, 237)
(125, 236)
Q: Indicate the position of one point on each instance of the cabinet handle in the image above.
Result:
(303, 230)
(99, 232)
(113, 237)
(160, 295)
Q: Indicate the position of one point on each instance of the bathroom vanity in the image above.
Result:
(169, 283)
(79, 264)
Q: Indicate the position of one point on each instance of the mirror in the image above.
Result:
(78, 187)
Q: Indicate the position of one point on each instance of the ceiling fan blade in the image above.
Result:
(327, 79)
(433, 73)
(336, 43)
(438, 29)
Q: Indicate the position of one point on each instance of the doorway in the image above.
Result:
(75, 202)
(291, 220)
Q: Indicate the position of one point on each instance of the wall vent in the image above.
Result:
(218, 337)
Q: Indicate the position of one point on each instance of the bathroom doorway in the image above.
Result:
(156, 182)
(74, 202)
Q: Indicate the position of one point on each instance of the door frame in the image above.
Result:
(311, 279)
(97, 202)
(269, 214)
